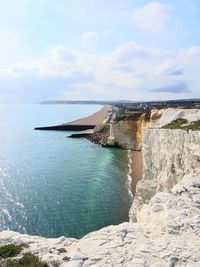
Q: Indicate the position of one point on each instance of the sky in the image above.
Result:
(99, 50)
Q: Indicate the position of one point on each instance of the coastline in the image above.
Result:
(164, 217)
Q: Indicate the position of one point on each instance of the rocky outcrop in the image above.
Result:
(100, 134)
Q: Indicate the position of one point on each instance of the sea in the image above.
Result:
(53, 186)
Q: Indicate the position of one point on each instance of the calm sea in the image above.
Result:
(51, 185)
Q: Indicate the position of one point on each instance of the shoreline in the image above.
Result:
(136, 165)
(134, 173)
(129, 176)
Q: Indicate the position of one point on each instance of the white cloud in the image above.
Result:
(62, 53)
(151, 17)
(131, 71)
(90, 37)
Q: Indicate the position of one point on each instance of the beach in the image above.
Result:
(136, 166)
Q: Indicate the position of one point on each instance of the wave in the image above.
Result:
(9, 203)
(129, 176)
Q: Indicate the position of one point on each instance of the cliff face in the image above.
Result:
(124, 134)
(125, 129)
(168, 156)
(127, 133)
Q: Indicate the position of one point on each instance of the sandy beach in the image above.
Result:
(94, 119)
(136, 157)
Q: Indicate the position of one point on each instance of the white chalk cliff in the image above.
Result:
(164, 227)
(168, 156)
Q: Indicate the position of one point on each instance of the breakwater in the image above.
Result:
(66, 127)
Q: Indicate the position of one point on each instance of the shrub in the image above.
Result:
(10, 250)
(27, 260)
(176, 124)
(183, 125)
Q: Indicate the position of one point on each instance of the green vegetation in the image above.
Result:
(194, 126)
(27, 260)
(13, 250)
(122, 114)
(10, 250)
(127, 114)
(183, 125)
(176, 124)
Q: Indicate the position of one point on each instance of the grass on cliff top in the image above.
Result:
(27, 260)
(10, 250)
(183, 125)
(133, 115)
(122, 114)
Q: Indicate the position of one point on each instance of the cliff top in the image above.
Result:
(185, 119)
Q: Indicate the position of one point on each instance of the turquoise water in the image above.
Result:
(51, 185)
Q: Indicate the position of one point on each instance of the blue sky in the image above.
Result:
(92, 49)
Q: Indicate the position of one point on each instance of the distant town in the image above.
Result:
(133, 105)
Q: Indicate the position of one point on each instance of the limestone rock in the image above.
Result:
(168, 155)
